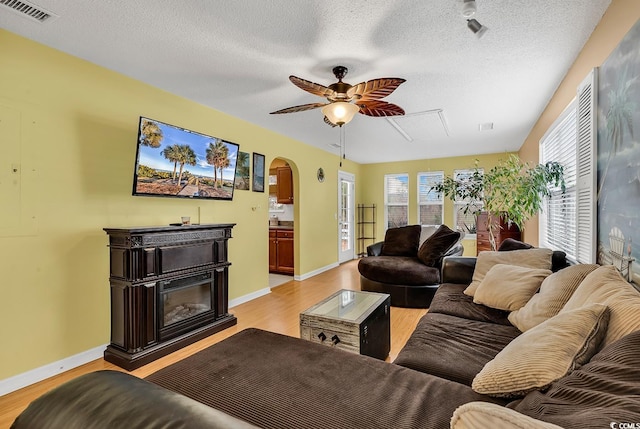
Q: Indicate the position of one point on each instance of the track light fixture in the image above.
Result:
(477, 28)
(468, 8)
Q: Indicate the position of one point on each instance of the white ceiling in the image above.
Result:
(236, 56)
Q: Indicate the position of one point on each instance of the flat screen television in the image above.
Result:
(176, 162)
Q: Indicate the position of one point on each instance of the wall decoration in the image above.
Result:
(242, 171)
(618, 187)
(320, 175)
(258, 172)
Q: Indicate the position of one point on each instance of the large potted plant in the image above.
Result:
(512, 189)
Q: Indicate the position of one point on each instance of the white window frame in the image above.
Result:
(428, 197)
(387, 178)
(568, 221)
(456, 176)
(557, 227)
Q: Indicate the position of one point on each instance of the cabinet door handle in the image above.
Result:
(322, 336)
(335, 340)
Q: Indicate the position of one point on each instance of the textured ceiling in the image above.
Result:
(236, 56)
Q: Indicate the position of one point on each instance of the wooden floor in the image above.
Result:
(277, 312)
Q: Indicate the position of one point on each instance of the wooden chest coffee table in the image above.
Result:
(354, 321)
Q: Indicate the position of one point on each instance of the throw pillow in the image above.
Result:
(558, 258)
(401, 241)
(530, 258)
(434, 247)
(606, 286)
(509, 287)
(483, 415)
(509, 244)
(603, 391)
(545, 353)
(554, 293)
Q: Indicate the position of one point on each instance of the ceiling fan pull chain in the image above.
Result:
(344, 143)
(342, 148)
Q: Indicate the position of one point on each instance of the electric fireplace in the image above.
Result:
(169, 288)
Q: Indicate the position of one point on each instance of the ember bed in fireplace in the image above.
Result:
(184, 304)
(169, 288)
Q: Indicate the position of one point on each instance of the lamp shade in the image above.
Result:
(340, 112)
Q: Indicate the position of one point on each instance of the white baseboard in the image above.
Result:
(249, 297)
(315, 272)
(25, 379)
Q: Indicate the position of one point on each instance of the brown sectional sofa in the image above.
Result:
(272, 381)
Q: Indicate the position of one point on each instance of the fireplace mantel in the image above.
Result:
(146, 264)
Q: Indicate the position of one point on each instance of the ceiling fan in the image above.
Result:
(346, 100)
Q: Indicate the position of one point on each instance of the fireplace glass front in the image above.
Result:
(184, 303)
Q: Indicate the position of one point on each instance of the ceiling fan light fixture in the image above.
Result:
(340, 112)
(468, 8)
(478, 29)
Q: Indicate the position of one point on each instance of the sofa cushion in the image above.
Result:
(509, 287)
(404, 270)
(554, 293)
(435, 246)
(402, 241)
(484, 415)
(451, 300)
(530, 258)
(603, 391)
(605, 285)
(453, 348)
(545, 353)
(112, 399)
(277, 381)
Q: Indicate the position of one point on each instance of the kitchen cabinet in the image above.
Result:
(284, 186)
(502, 230)
(281, 251)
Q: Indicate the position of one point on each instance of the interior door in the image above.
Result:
(346, 216)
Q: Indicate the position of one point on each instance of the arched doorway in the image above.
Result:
(281, 222)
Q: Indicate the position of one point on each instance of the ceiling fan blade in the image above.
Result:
(314, 88)
(328, 122)
(300, 108)
(379, 108)
(375, 89)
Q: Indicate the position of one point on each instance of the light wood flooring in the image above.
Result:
(277, 312)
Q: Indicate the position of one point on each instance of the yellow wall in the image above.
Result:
(372, 185)
(615, 23)
(70, 128)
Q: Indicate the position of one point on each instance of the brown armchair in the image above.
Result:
(406, 267)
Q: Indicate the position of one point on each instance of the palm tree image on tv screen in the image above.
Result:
(177, 162)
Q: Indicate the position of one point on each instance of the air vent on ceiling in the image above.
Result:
(421, 125)
(29, 10)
